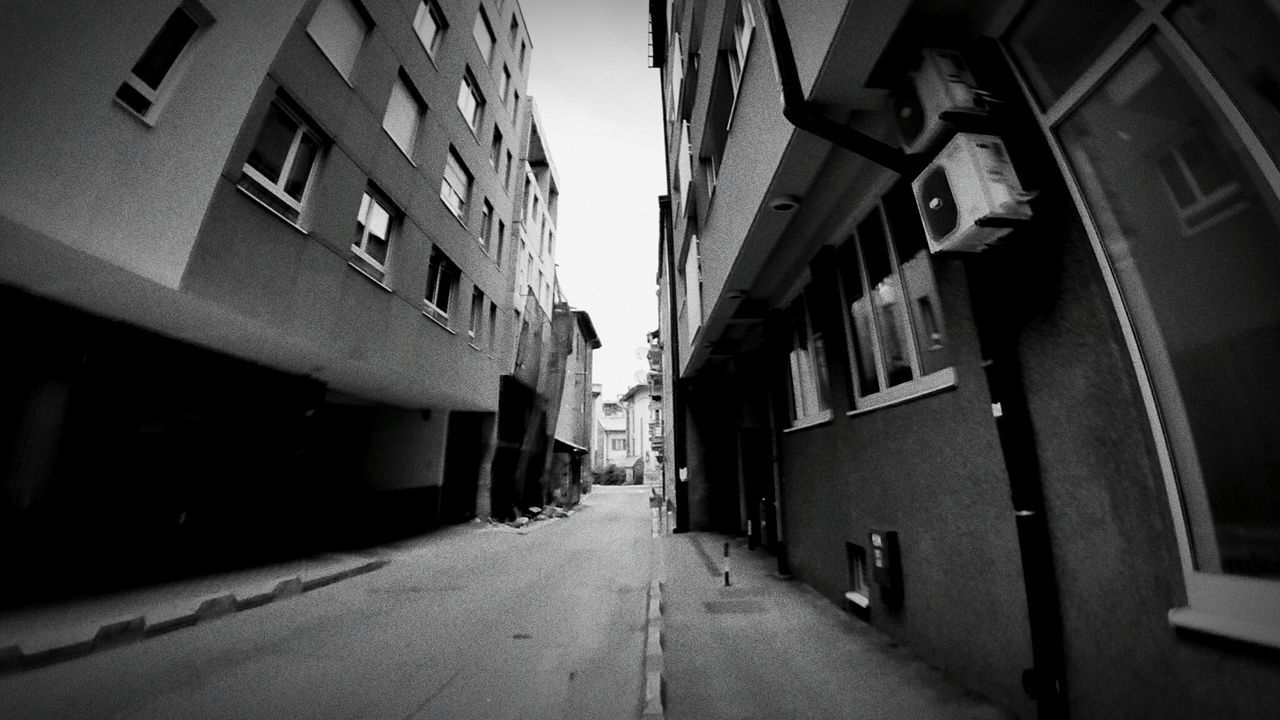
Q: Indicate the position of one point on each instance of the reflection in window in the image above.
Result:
(1056, 42)
(895, 328)
(1155, 158)
(807, 366)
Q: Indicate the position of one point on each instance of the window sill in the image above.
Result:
(858, 599)
(432, 314)
(272, 210)
(944, 379)
(475, 134)
(475, 347)
(822, 418)
(1222, 626)
(149, 122)
(455, 215)
(395, 142)
(377, 280)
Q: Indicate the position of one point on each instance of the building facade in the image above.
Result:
(975, 330)
(284, 298)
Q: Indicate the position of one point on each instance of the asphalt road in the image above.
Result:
(470, 622)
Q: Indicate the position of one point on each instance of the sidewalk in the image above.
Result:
(768, 647)
(40, 635)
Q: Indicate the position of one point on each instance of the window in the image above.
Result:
(338, 27)
(493, 324)
(1157, 149)
(470, 101)
(475, 328)
(807, 367)
(523, 57)
(405, 110)
(429, 24)
(495, 150)
(1056, 41)
(744, 25)
(455, 189)
(551, 243)
(618, 443)
(486, 224)
(153, 76)
(278, 170)
(442, 275)
(515, 106)
(507, 180)
(504, 85)
(692, 277)
(892, 312)
(502, 243)
(515, 31)
(373, 228)
(483, 33)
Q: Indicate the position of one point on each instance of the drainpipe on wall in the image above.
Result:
(1045, 681)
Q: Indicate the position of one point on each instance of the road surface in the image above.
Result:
(470, 622)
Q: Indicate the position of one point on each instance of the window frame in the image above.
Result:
(482, 22)
(819, 373)
(432, 10)
(1237, 607)
(738, 53)
(469, 88)
(475, 323)
(359, 248)
(403, 82)
(276, 188)
(158, 96)
(362, 15)
(442, 277)
(486, 224)
(921, 383)
(495, 148)
(453, 162)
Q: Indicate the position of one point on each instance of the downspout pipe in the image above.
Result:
(809, 116)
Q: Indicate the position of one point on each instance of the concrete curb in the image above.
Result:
(654, 690)
(86, 639)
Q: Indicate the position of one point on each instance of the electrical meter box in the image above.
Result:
(886, 568)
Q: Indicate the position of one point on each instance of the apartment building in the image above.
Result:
(265, 264)
(975, 330)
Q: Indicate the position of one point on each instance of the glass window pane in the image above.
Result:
(887, 301)
(1237, 40)
(483, 35)
(1204, 294)
(301, 169)
(160, 55)
(859, 308)
(920, 290)
(273, 143)
(424, 23)
(1056, 41)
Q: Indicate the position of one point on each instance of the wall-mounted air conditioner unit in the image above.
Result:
(969, 196)
(941, 89)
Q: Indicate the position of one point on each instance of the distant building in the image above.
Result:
(575, 423)
(978, 330)
(270, 267)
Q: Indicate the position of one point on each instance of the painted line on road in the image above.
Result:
(654, 690)
(159, 621)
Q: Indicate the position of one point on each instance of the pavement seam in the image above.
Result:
(119, 632)
(654, 683)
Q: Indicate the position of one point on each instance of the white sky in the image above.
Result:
(601, 111)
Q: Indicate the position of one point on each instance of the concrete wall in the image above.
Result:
(406, 451)
(86, 171)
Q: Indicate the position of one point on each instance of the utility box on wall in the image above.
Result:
(886, 566)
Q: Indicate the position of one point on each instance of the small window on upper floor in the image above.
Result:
(455, 189)
(152, 78)
(515, 31)
(475, 328)
(515, 106)
(373, 232)
(493, 324)
(283, 160)
(338, 27)
(506, 182)
(495, 149)
(470, 101)
(483, 33)
(442, 277)
(405, 111)
(486, 224)
(523, 57)
(892, 311)
(429, 24)
(504, 84)
(744, 25)
(502, 243)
